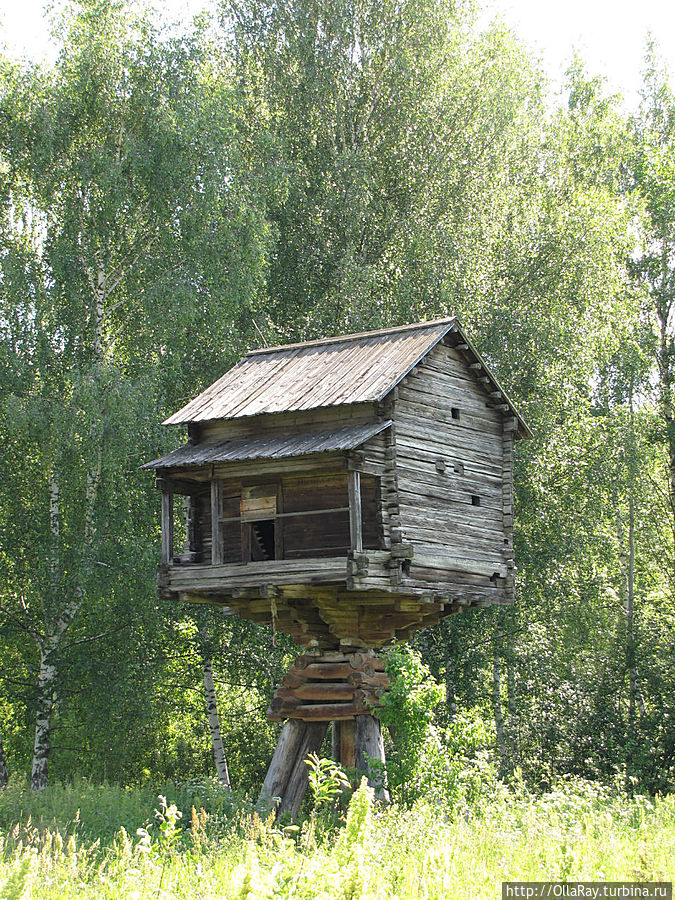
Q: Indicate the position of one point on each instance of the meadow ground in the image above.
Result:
(83, 840)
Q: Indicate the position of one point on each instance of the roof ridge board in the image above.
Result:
(352, 337)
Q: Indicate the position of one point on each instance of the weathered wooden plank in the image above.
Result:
(413, 459)
(457, 564)
(167, 526)
(456, 412)
(461, 444)
(464, 520)
(216, 533)
(448, 386)
(238, 575)
(454, 492)
(442, 538)
(355, 519)
(324, 671)
(326, 690)
(330, 712)
(347, 747)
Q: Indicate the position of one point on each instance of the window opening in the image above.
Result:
(475, 500)
(454, 412)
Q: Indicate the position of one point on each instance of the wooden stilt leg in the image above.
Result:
(369, 746)
(297, 783)
(347, 747)
(335, 741)
(283, 761)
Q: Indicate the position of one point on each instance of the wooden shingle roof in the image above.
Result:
(353, 368)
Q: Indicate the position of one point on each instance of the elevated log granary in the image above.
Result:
(349, 492)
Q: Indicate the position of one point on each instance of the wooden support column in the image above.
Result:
(335, 741)
(216, 533)
(167, 525)
(283, 761)
(369, 746)
(347, 744)
(355, 527)
(297, 784)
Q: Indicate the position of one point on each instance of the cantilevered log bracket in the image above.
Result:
(323, 687)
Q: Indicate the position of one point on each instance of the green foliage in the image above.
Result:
(577, 831)
(443, 764)
(168, 201)
(326, 781)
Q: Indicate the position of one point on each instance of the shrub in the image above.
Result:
(444, 765)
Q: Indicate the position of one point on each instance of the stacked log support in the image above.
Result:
(342, 687)
(330, 687)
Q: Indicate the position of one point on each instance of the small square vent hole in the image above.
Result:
(475, 500)
(454, 412)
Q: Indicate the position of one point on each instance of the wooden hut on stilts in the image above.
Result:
(349, 491)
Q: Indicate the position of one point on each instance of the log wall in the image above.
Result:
(282, 423)
(449, 457)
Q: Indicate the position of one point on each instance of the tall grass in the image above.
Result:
(579, 831)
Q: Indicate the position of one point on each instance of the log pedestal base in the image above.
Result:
(342, 688)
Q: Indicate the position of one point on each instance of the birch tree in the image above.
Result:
(652, 176)
(135, 240)
(219, 757)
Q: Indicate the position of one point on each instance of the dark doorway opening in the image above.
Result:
(262, 540)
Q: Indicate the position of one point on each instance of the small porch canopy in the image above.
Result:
(273, 447)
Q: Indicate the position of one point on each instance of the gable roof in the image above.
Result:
(353, 368)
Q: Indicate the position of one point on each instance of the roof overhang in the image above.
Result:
(276, 447)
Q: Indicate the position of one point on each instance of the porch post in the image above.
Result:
(355, 531)
(167, 525)
(216, 536)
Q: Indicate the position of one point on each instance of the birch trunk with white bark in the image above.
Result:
(48, 643)
(45, 704)
(219, 756)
